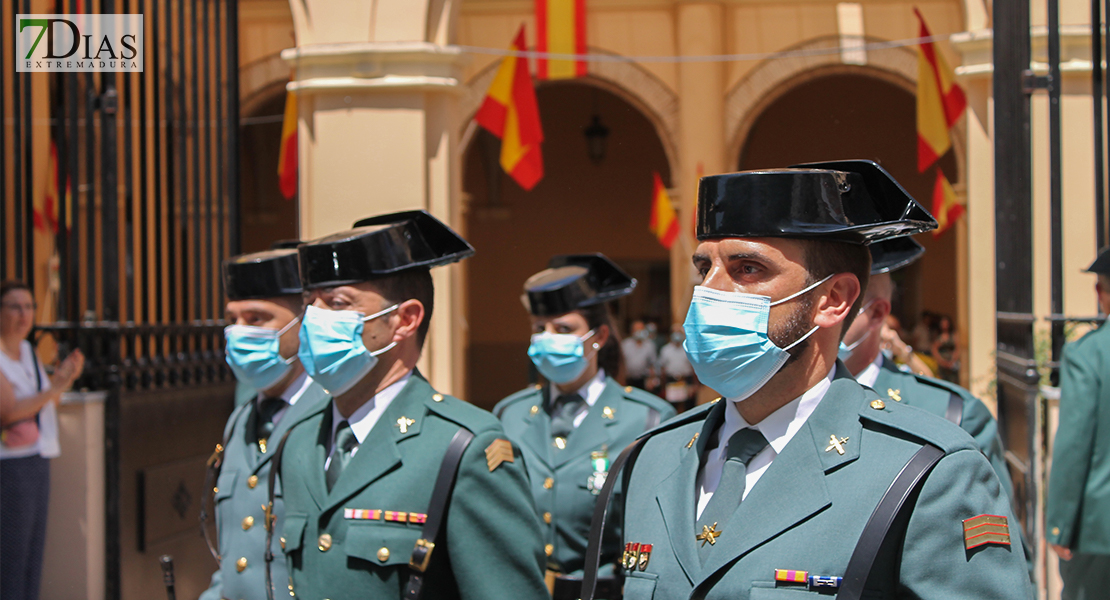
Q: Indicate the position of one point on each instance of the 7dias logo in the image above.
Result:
(79, 43)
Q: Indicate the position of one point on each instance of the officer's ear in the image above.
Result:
(834, 306)
(601, 336)
(410, 315)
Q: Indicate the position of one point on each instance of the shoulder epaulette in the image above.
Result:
(460, 412)
(931, 428)
(527, 393)
(946, 386)
(691, 416)
(644, 397)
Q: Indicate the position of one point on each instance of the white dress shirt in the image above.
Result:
(870, 375)
(366, 416)
(290, 395)
(779, 428)
(589, 392)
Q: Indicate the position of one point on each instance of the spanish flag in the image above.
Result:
(664, 221)
(940, 101)
(510, 113)
(45, 213)
(560, 29)
(947, 207)
(287, 158)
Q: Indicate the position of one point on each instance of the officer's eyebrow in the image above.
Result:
(756, 256)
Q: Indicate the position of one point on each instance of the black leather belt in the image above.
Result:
(569, 588)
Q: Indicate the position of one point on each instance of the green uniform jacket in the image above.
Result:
(1078, 509)
(561, 478)
(808, 509)
(490, 543)
(242, 486)
(932, 395)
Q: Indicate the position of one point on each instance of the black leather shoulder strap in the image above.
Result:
(441, 493)
(955, 411)
(211, 477)
(867, 548)
(275, 467)
(601, 511)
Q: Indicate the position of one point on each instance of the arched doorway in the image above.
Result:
(265, 216)
(843, 115)
(580, 206)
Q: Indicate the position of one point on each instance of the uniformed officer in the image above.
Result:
(861, 353)
(572, 425)
(766, 494)
(1077, 515)
(367, 478)
(264, 308)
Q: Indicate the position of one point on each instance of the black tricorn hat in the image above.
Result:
(852, 201)
(286, 244)
(380, 246)
(574, 281)
(1101, 266)
(893, 254)
(266, 274)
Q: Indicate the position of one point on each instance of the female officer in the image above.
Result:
(571, 427)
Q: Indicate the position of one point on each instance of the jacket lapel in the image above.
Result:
(677, 497)
(595, 430)
(307, 405)
(537, 435)
(312, 462)
(793, 488)
(378, 453)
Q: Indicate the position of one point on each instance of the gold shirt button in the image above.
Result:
(241, 564)
(547, 518)
(547, 483)
(324, 543)
(282, 540)
(878, 404)
(248, 522)
(252, 481)
(383, 554)
(548, 549)
(1055, 531)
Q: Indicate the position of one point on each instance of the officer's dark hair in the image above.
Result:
(12, 285)
(609, 355)
(824, 258)
(410, 284)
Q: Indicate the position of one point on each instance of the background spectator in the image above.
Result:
(639, 356)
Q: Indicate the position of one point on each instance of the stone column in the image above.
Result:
(701, 141)
(377, 86)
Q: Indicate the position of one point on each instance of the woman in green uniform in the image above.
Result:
(573, 424)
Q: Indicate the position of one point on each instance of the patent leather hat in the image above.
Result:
(1101, 266)
(258, 275)
(380, 246)
(575, 281)
(853, 201)
(893, 254)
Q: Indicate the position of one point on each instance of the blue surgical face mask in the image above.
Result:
(254, 354)
(845, 350)
(727, 341)
(331, 347)
(560, 357)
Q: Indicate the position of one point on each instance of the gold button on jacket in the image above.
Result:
(324, 543)
(252, 481)
(248, 522)
(241, 564)
(383, 554)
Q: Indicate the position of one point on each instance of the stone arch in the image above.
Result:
(774, 77)
(627, 80)
(259, 80)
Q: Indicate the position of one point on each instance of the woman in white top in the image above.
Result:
(28, 439)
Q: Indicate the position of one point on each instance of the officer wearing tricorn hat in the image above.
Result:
(768, 491)
(1077, 514)
(393, 489)
(264, 309)
(568, 426)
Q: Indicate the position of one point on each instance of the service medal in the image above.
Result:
(600, 461)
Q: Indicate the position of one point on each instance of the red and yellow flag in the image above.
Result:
(287, 157)
(560, 29)
(45, 214)
(947, 207)
(664, 220)
(940, 101)
(510, 113)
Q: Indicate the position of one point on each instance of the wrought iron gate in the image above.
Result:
(142, 173)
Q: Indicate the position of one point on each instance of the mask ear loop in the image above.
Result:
(281, 332)
(380, 313)
(796, 294)
(855, 344)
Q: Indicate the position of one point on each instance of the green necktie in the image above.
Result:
(562, 414)
(345, 442)
(742, 447)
